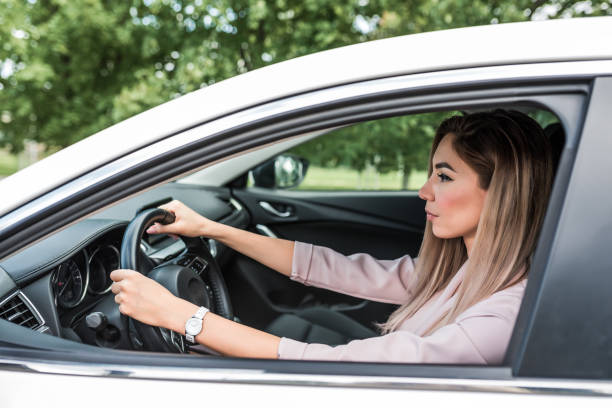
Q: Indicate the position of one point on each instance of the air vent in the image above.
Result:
(19, 310)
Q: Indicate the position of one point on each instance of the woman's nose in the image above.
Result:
(426, 192)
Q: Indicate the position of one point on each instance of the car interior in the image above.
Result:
(64, 279)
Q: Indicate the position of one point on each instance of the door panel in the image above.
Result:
(386, 225)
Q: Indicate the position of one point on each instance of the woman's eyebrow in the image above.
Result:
(444, 164)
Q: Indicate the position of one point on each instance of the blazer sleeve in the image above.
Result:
(358, 275)
(478, 336)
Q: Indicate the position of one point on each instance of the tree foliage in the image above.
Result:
(395, 144)
(71, 68)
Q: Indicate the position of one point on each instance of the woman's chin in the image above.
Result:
(442, 233)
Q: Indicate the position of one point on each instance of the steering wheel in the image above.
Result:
(194, 276)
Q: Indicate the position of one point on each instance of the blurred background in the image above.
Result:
(69, 68)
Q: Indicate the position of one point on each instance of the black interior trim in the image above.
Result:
(315, 207)
(34, 261)
(548, 232)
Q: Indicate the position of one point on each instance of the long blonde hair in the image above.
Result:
(512, 157)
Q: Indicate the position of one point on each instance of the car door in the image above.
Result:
(239, 377)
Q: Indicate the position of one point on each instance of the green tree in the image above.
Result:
(71, 68)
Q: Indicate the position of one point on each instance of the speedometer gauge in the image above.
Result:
(70, 283)
(102, 262)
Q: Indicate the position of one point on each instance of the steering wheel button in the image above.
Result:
(197, 266)
(184, 261)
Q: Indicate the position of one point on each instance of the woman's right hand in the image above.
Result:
(187, 222)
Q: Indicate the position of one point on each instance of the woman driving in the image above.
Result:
(490, 175)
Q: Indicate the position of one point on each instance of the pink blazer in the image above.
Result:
(480, 335)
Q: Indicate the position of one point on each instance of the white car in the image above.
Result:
(228, 151)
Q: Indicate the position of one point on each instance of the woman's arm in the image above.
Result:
(147, 301)
(275, 253)
(358, 275)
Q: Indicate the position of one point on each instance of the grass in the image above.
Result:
(342, 178)
(8, 163)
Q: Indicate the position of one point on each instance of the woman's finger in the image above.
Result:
(154, 229)
(120, 274)
(162, 229)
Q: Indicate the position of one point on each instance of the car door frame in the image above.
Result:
(570, 306)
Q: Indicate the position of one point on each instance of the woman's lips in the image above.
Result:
(430, 216)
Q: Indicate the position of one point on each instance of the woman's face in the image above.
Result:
(453, 194)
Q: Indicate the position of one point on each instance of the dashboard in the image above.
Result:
(64, 278)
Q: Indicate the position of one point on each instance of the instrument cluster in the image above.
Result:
(86, 272)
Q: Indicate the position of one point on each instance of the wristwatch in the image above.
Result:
(193, 326)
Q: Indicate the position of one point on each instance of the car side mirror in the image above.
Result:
(284, 171)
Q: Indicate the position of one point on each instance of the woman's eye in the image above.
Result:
(443, 177)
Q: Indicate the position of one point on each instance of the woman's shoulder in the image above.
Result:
(504, 304)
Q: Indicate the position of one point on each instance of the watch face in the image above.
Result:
(193, 326)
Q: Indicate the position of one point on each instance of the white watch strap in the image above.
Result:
(200, 313)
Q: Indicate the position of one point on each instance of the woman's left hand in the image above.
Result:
(142, 298)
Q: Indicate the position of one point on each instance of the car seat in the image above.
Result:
(319, 325)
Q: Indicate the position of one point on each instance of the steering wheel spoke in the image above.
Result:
(174, 339)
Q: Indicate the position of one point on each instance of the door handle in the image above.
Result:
(270, 209)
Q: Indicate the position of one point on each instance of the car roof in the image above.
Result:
(502, 44)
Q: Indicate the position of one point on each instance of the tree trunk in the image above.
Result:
(406, 177)
(31, 153)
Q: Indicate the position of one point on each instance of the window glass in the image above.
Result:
(384, 154)
(543, 117)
